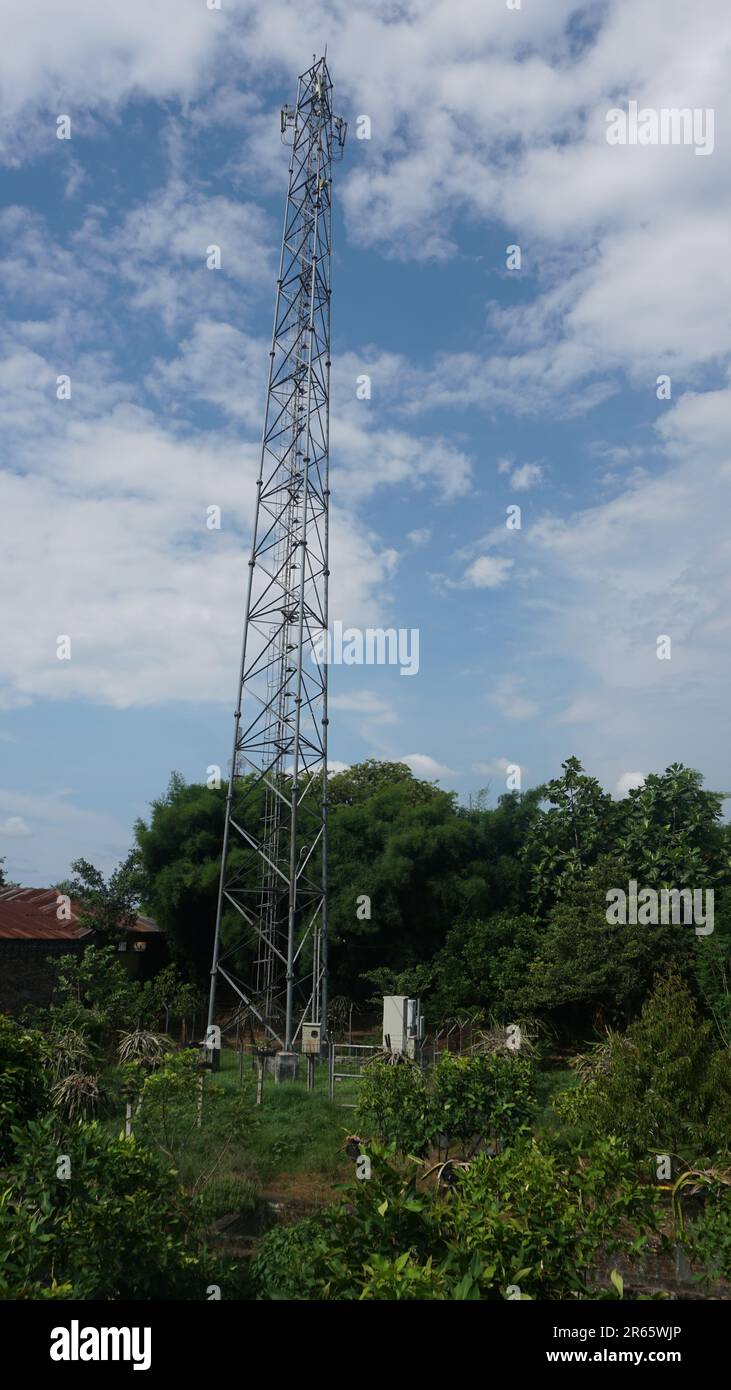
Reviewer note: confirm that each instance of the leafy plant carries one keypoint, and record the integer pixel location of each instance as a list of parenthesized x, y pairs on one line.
[(393, 1103), (660, 1087), (119, 1227), (465, 1099), (528, 1217), (485, 1096), (148, 1049), (76, 1095), (24, 1057)]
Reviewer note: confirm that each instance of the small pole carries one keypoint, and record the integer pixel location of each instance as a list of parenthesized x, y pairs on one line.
[(128, 1121), (310, 1073), (350, 1026), (199, 1120), (260, 1079)]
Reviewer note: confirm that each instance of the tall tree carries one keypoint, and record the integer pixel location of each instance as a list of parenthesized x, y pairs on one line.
[(565, 839), (670, 833), (109, 905)]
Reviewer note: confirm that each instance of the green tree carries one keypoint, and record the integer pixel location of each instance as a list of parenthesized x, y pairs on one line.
[(423, 862), (393, 1103), (482, 965), (670, 833), (180, 850), (712, 967), (473, 1099), (529, 1216), (95, 995), (661, 1086), (566, 839), (403, 843), (586, 969), (108, 905)]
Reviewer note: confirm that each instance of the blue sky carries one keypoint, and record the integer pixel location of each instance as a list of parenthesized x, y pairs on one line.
[(490, 388)]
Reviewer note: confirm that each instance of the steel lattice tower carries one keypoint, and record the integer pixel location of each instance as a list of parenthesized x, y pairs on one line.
[(274, 856)]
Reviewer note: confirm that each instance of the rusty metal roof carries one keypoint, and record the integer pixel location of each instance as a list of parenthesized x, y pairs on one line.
[(30, 914)]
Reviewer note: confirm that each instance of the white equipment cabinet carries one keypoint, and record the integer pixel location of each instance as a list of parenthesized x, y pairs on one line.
[(403, 1023)]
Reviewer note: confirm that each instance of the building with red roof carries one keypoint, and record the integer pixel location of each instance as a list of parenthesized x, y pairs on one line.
[(38, 923)]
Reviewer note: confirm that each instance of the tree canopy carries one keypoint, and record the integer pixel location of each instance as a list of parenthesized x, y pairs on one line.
[(501, 908)]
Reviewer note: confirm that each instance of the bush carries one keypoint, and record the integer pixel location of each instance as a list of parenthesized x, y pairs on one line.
[(289, 1261), (466, 1099), (24, 1078), (660, 1087), (476, 1098), (708, 1238), (529, 1217), (393, 1103), (119, 1227)]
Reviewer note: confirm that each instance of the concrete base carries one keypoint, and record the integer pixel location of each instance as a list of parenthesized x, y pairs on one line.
[(285, 1066)]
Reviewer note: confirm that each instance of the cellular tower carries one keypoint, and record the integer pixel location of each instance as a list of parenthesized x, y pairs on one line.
[(272, 898)]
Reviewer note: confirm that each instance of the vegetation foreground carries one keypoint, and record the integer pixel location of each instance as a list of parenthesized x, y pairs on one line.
[(554, 1169)]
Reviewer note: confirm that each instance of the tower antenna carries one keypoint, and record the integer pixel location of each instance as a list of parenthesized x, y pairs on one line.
[(270, 940)]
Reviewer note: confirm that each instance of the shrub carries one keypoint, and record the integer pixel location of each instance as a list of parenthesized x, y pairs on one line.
[(708, 1238), (476, 1098), (393, 1103), (529, 1217), (120, 1226), (467, 1099), (543, 1220), (660, 1087), (24, 1078)]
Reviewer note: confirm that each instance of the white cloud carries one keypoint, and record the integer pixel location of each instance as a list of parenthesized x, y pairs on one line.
[(103, 525), (628, 782), (61, 832), (160, 250), (219, 364), (426, 767), (507, 696), (526, 476), (15, 827), (419, 537), (365, 702), (98, 56), (496, 767), (368, 459), (487, 572), (654, 560)]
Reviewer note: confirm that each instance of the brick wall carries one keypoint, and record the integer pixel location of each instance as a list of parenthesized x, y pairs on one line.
[(26, 978)]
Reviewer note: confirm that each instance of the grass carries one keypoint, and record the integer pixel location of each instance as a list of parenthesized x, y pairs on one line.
[(293, 1131), (290, 1144)]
